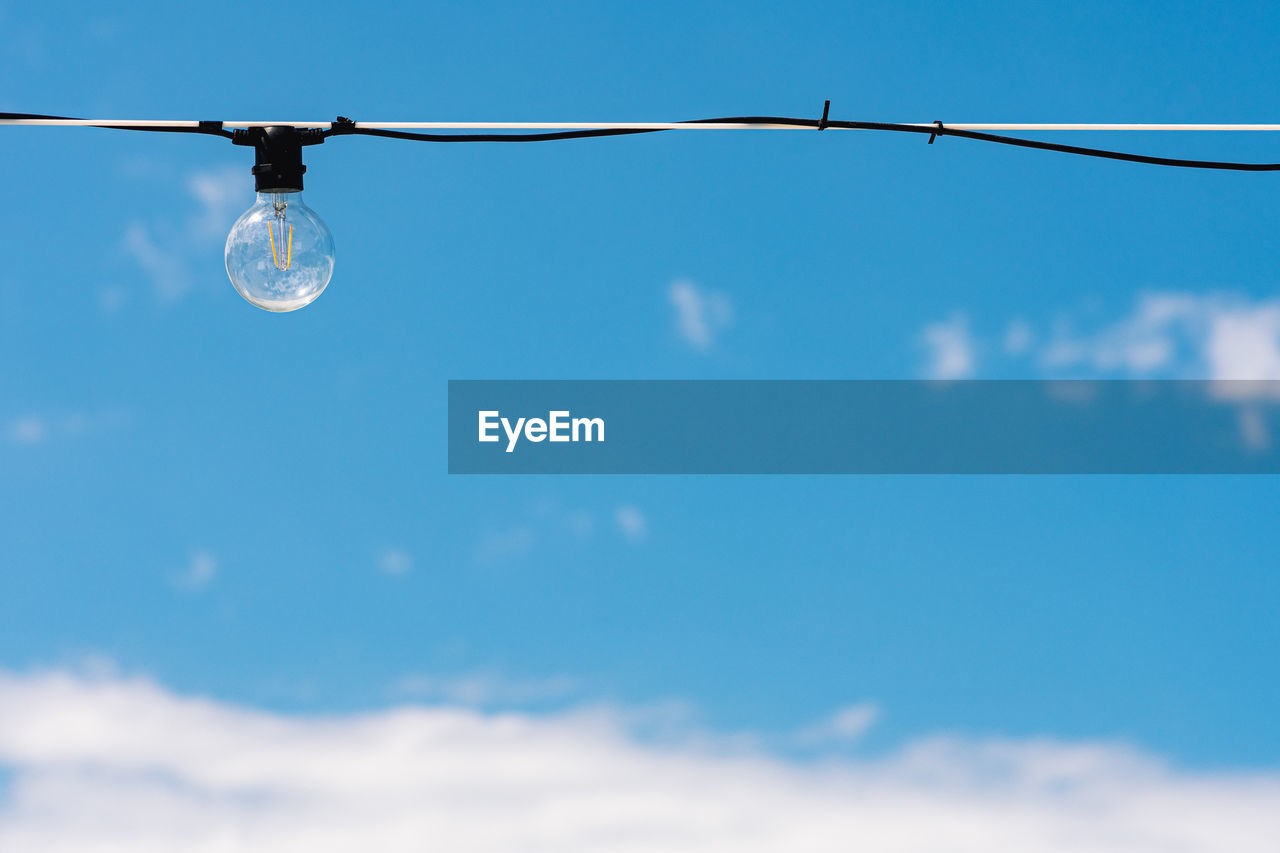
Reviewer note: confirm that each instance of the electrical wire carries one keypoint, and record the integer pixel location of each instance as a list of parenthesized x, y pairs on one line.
[(212, 128), (582, 130), (30, 119), (942, 130), (933, 130)]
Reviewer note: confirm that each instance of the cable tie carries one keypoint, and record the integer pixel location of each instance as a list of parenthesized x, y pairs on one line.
[(342, 125), (826, 110), (934, 135)]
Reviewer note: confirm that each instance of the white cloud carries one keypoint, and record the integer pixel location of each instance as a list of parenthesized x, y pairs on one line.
[(30, 429), (1018, 337), (950, 348), (547, 523), (112, 298), (1229, 339), (113, 764), (1253, 429), (845, 725), (509, 543), (701, 314), (223, 195), (165, 266), (1209, 336), (632, 522), (395, 561), (164, 249), (200, 570), (1216, 336), (1147, 340), (482, 688), (1243, 341)]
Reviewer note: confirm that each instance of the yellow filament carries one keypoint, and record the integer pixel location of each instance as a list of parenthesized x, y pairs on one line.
[(275, 255), (272, 236)]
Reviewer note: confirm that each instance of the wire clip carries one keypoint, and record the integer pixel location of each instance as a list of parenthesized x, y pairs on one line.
[(934, 135)]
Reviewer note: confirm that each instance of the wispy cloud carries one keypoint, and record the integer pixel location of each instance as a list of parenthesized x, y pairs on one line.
[(33, 429), (949, 348), (1165, 335), (1221, 337), (165, 266), (164, 249), (476, 689), (28, 429), (632, 522), (111, 298), (1161, 333), (395, 561), (700, 314), (548, 523), (1018, 337), (200, 570), (125, 764), (508, 543), (844, 726), (1253, 429), (223, 194)]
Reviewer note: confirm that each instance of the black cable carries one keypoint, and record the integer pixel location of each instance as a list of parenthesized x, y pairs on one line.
[(937, 129), (943, 130), (486, 137), (346, 127)]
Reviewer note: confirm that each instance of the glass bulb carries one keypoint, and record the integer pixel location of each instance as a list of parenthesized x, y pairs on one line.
[(279, 252)]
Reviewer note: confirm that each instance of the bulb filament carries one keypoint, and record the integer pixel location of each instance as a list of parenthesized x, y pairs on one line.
[(286, 241)]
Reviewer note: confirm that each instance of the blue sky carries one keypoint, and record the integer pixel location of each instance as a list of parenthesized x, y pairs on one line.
[(254, 508)]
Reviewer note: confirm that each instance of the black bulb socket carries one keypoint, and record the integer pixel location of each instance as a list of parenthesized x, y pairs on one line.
[(278, 155)]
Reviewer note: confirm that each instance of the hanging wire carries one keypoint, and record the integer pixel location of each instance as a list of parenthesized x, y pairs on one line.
[(213, 128), (552, 131)]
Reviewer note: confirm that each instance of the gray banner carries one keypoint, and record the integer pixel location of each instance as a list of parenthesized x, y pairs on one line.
[(863, 427)]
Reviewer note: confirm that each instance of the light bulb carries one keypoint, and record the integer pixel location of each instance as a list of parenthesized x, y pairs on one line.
[(279, 252)]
